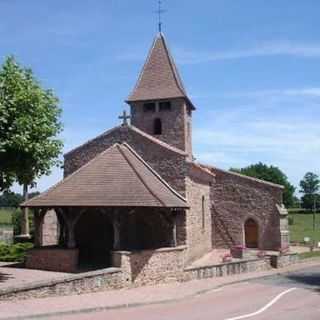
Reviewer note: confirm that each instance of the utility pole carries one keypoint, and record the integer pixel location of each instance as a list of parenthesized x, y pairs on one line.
[(314, 219)]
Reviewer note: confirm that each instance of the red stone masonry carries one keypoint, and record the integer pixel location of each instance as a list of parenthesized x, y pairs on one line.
[(237, 198), (166, 160)]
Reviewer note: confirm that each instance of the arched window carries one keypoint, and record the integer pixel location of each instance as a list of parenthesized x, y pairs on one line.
[(157, 126)]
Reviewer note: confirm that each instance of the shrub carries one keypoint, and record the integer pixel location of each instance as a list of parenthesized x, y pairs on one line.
[(15, 252)]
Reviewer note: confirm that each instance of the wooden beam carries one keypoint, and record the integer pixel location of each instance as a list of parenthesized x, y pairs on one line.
[(38, 226)]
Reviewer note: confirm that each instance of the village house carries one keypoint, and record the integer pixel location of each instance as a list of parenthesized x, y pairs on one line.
[(135, 197)]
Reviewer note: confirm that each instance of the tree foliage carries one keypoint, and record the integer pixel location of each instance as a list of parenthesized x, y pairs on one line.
[(29, 126), (11, 199), (310, 185), (271, 174)]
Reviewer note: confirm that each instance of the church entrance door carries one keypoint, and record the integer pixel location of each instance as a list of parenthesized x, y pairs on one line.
[(251, 233)]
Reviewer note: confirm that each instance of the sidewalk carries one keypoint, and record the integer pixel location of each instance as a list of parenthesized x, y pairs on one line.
[(115, 299)]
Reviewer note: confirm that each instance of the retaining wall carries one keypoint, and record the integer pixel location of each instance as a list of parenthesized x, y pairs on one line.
[(6, 234), (281, 261), (100, 280), (226, 269), (149, 267), (53, 259)]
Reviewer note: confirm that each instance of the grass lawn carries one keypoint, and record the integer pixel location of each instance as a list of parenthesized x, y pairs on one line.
[(5, 216), (303, 226), (307, 255)]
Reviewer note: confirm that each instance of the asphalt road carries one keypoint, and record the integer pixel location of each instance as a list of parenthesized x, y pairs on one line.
[(294, 296)]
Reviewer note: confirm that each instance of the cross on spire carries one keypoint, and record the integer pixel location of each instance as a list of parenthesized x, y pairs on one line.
[(159, 12), (124, 117)]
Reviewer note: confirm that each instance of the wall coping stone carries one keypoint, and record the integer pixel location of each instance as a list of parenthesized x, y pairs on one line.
[(165, 249), (222, 264), (248, 178), (52, 282)]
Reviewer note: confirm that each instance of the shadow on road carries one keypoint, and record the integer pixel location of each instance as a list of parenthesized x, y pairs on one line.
[(4, 277), (309, 280)]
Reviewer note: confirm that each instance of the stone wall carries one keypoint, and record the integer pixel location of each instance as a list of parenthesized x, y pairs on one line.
[(284, 260), (237, 198), (53, 259), (50, 228), (199, 224), (6, 234), (148, 267), (102, 280), (226, 269), (167, 162), (176, 123)]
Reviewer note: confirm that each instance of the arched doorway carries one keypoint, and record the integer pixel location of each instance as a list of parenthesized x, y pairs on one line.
[(251, 233), (94, 236)]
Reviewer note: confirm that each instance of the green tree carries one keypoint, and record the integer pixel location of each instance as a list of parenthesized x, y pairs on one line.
[(271, 174), (10, 199), (29, 126), (310, 185)]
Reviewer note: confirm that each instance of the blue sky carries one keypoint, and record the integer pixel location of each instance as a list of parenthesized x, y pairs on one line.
[(251, 67)]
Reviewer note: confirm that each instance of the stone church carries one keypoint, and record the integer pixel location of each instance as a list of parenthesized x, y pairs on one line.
[(136, 195)]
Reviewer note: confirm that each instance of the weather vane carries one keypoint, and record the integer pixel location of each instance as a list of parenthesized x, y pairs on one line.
[(160, 11)]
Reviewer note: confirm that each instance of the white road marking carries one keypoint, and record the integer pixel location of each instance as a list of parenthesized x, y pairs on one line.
[(267, 306)]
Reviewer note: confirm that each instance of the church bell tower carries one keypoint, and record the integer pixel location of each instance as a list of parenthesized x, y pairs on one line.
[(159, 103)]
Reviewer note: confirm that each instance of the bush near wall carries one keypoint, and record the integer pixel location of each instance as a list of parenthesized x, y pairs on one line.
[(15, 252)]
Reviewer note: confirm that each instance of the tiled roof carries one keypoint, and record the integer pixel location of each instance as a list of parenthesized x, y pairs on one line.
[(117, 177), (159, 78)]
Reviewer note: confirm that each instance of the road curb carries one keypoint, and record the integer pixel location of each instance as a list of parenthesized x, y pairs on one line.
[(160, 301)]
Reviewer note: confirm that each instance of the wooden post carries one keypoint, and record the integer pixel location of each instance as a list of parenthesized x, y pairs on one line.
[(71, 218), (116, 231), (38, 226), (62, 228), (25, 229), (174, 229)]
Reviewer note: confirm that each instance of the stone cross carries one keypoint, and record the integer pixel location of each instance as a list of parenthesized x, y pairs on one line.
[(124, 117)]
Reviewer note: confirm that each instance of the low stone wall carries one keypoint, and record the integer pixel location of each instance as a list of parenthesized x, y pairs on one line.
[(53, 259), (6, 234), (281, 261), (101, 280), (148, 267), (226, 269)]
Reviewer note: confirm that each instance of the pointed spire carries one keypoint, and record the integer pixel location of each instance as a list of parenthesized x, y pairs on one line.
[(159, 78)]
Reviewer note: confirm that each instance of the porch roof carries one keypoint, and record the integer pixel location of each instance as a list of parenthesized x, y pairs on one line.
[(117, 177)]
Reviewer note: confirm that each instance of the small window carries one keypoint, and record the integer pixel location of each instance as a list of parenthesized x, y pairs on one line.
[(157, 127), (165, 106), (203, 212), (149, 107)]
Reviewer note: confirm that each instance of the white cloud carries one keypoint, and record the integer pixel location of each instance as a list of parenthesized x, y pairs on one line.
[(284, 48), (312, 92)]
